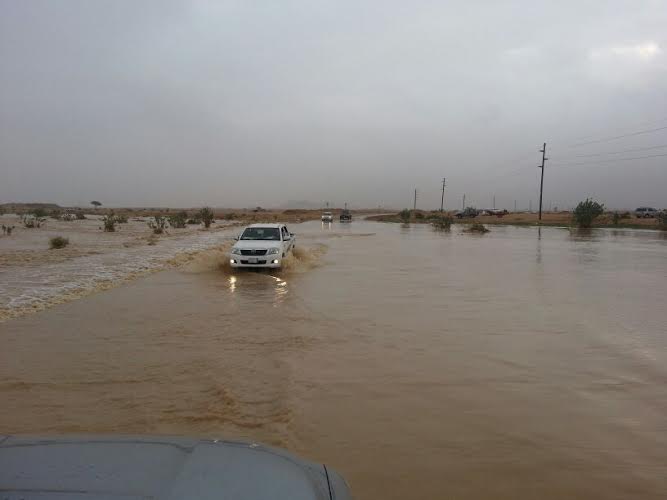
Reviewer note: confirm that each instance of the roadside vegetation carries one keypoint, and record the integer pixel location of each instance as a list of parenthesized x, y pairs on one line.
[(206, 216), (442, 223), (58, 242), (178, 220), (32, 221), (662, 220), (586, 213), (158, 224), (476, 227), (109, 223)]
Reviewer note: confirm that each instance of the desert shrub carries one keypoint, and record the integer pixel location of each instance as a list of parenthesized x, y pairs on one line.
[(477, 228), (194, 220), (58, 242), (109, 223), (615, 218), (231, 216), (40, 213), (586, 212), (662, 220), (80, 216), (121, 219), (7, 230), (419, 215), (404, 215), (444, 222), (178, 220), (206, 215), (30, 221), (158, 224)]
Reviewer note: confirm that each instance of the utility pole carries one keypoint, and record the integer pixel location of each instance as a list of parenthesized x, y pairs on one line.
[(414, 206), (463, 205), (442, 200), (515, 206), (544, 158), (494, 201), (530, 206)]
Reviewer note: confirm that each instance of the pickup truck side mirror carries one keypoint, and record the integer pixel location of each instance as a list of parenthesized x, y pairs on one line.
[(287, 237)]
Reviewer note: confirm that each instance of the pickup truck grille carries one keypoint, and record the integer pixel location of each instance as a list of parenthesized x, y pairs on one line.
[(253, 252), (259, 262)]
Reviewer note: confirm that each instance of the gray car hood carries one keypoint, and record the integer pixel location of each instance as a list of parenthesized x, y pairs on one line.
[(130, 468)]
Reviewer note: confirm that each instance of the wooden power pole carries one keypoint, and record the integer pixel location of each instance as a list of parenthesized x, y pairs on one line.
[(544, 158)]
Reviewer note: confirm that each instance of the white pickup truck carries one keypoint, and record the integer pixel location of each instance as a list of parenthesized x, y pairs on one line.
[(262, 245)]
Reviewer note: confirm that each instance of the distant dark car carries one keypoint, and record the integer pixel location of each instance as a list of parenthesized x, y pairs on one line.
[(645, 212), (175, 468), (346, 216), (467, 213)]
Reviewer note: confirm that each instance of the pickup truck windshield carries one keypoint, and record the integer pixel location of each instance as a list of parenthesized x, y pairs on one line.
[(261, 233)]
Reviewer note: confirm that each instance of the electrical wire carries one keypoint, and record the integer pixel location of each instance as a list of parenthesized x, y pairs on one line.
[(606, 161), (616, 137)]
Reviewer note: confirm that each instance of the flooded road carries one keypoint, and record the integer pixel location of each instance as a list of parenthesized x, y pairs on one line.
[(420, 364)]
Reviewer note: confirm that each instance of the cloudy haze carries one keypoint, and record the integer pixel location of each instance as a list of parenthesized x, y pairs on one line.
[(238, 103)]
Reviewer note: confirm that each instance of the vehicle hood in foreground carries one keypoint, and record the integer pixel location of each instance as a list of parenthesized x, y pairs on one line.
[(132, 468)]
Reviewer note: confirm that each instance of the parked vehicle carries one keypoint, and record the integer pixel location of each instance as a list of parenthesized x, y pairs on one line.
[(114, 467), (327, 217), (469, 212), (646, 212), (262, 245), (346, 216)]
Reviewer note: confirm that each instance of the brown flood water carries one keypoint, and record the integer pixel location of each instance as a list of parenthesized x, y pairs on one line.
[(420, 364)]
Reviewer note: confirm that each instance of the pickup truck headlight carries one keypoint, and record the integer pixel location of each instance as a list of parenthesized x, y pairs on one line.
[(273, 251), (236, 251)]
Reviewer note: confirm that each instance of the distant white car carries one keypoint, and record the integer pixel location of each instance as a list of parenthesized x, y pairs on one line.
[(262, 245), (645, 212), (327, 217)]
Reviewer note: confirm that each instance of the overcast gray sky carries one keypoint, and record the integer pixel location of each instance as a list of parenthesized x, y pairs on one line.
[(244, 103)]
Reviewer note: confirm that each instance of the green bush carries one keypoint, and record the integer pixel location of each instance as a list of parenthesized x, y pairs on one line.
[(478, 228), (121, 219), (206, 215), (178, 220), (30, 221), (40, 213), (404, 215), (58, 242), (158, 224), (419, 215), (586, 212), (615, 218), (444, 222), (80, 216), (109, 223), (662, 220)]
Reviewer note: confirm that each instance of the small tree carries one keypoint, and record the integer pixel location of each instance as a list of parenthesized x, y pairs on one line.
[(586, 212), (404, 215), (662, 220), (58, 242), (178, 220), (96, 204), (158, 224), (31, 221), (109, 223), (444, 223), (40, 213), (206, 216)]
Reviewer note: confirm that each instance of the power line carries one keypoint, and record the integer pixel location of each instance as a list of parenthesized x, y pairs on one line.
[(613, 138), (621, 152), (607, 161), (641, 124)]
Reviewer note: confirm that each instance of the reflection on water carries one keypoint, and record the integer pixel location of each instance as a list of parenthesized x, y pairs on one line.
[(528, 363)]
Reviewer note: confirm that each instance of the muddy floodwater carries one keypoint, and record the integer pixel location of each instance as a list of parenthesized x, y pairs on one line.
[(519, 364)]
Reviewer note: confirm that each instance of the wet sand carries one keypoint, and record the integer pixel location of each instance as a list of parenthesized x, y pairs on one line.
[(420, 364)]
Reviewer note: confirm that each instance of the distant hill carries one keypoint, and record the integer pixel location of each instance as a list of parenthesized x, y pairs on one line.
[(22, 207)]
